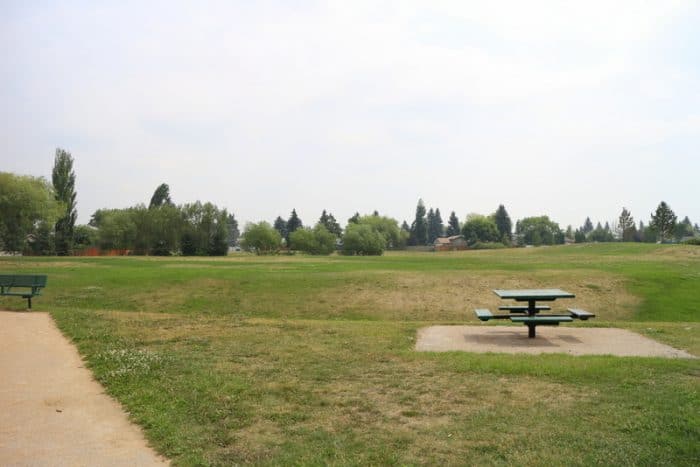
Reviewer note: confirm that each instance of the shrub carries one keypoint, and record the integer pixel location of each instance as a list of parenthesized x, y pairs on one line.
[(692, 241)]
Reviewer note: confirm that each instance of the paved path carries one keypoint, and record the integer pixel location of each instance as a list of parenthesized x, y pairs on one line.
[(52, 412), (550, 339)]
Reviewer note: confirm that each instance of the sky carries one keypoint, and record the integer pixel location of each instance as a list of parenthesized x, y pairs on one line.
[(565, 109)]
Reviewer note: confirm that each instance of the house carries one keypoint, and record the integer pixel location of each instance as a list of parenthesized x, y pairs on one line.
[(455, 242)]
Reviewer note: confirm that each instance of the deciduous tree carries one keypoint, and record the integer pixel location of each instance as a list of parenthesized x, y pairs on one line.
[(25, 203)]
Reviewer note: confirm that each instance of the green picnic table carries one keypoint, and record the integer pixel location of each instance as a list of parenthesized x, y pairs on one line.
[(529, 314)]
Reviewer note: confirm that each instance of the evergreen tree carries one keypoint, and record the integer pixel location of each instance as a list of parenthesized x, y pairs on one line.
[(430, 218), (504, 224), (419, 227), (280, 226), (329, 222), (405, 227), (663, 221), (587, 226), (453, 227), (375, 213), (161, 197), (63, 178), (625, 226), (438, 225), (355, 219), (293, 223)]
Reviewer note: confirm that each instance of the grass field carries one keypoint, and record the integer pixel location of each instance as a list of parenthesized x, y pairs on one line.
[(304, 360)]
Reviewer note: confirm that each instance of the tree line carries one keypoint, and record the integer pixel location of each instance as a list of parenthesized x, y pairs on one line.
[(38, 217)]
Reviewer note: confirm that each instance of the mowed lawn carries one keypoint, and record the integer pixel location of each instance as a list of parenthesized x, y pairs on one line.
[(305, 360)]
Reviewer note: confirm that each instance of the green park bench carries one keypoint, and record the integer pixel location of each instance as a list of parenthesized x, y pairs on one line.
[(29, 285)]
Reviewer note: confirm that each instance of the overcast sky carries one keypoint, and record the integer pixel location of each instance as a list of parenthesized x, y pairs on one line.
[(569, 109)]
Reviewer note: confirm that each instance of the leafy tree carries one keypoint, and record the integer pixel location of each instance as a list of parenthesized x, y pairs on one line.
[(419, 227), (63, 178), (579, 236), (42, 241), (453, 227), (354, 219), (161, 197), (84, 236), (281, 226), (387, 228), (331, 224), (117, 229), (233, 232), (316, 241), (479, 229), (205, 228), (261, 238), (539, 231), (362, 239), (663, 221), (375, 213), (293, 223), (625, 226), (503, 224), (25, 203)]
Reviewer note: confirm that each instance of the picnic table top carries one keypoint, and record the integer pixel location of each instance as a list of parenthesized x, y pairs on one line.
[(533, 294)]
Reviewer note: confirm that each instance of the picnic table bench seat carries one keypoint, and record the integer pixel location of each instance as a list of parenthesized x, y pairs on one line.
[(542, 319), (523, 308), (580, 314), (483, 314), (29, 285)]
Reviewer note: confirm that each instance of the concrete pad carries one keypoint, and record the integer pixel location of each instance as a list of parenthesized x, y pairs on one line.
[(52, 411), (550, 339)]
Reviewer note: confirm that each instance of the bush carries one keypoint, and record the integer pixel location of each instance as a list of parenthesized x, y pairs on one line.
[(318, 241), (361, 239), (261, 239), (692, 241)]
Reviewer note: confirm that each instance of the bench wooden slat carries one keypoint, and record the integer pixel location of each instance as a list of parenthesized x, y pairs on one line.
[(580, 314)]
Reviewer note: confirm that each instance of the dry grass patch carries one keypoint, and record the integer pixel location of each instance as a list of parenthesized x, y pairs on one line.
[(451, 296)]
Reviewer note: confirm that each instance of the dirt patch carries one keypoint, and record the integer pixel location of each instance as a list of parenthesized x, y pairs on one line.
[(52, 412), (568, 340)]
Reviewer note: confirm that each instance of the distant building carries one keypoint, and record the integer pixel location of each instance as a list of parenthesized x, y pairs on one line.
[(455, 242)]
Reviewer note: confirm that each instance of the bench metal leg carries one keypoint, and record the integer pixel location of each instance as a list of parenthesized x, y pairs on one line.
[(29, 302), (531, 330)]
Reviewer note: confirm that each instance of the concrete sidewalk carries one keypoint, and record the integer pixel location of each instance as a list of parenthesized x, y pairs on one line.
[(52, 411)]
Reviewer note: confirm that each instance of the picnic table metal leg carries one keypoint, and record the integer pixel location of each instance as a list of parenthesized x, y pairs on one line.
[(531, 330), (29, 302)]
